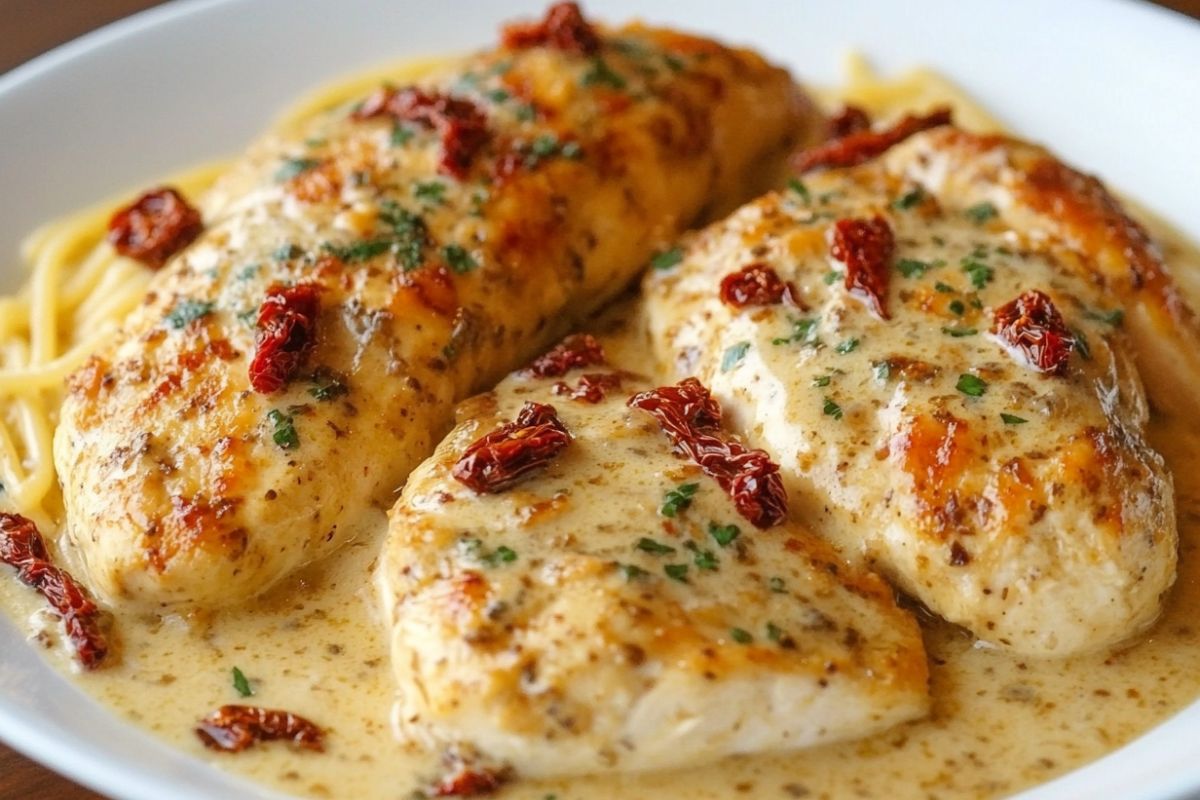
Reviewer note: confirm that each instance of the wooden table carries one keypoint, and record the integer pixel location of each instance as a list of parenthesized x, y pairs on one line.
[(44, 24)]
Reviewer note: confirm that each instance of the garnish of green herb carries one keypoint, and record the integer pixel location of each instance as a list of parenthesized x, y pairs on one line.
[(401, 134), (459, 259), (734, 355), (705, 559), (882, 370), (525, 112), (571, 150), (409, 234), (958, 333), (188, 311), (678, 499), (1082, 346), (294, 166), (915, 268), (944, 288), (723, 535), (357, 251), (797, 186), (249, 271), (971, 385), (979, 272), (431, 192), (776, 585), (848, 346), (740, 635), (1012, 419), (822, 380), (497, 95), (240, 684), (601, 74), (832, 277), (677, 572), (774, 632), (285, 252), (632, 572), (956, 307), (648, 545), (804, 331), (327, 387), (832, 409), (284, 434), (501, 555), (1114, 317), (667, 259), (909, 199), (981, 212)]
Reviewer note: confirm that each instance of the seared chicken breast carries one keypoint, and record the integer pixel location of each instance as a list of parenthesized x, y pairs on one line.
[(612, 608), (360, 275), (934, 347)]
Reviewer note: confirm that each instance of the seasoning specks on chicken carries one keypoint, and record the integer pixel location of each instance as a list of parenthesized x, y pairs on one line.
[(614, 611), (360, 275), (951, 394)]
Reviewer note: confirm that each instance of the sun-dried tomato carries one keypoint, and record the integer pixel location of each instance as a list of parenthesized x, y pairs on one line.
[(591, 388), (1034, 328), (154, 227), (865, 246), (498, 460), (691, 419), (21, 546), (754, 285), (563, 28), (461, 124), (864, 145), (233, 728), (851, 119), (284, 335), (577, 350), (468, 783)]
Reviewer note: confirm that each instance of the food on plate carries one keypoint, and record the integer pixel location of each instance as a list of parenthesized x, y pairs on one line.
[(573, 586), (358, 276), (932, 343)]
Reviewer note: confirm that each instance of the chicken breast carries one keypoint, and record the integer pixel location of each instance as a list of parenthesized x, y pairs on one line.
[(934, 347), (615, 609), (360, 275)]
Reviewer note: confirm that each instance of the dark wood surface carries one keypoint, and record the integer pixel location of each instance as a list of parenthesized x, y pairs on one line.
[(32, 27)]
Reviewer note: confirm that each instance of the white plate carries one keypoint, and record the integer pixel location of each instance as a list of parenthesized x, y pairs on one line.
[(1113, 85)]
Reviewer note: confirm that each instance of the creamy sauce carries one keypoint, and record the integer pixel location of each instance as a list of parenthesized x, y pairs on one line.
[(316, 647)]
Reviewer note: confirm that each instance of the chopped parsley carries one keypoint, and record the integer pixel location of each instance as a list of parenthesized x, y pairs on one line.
[(958, 333), (797, 186), (848, 346), (526, 112), (832, 277), (284, 434), (286, 252), (971, 385), (804, 331), (431, 192), (705, 559), (723, 535), (1114, 317), (822, 380), (601, 74), (740, 635), (401, 134), (186, 312), (909, 199), (915, 268), (648, 545), (944, 288), (677, 572), (240, 684), (667, 259), (459, 259), (734, 355), (957, 308), (1081, 344), (979, 273), (832, 409), (632, 572), (882, 370), (775, 633), (501, 555), (1012, 419), (981, 212), (249, 271), (678, 499), (409, 234), (776, 585), (294, 166), (327, 387), (355, 252), (497, 95)]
